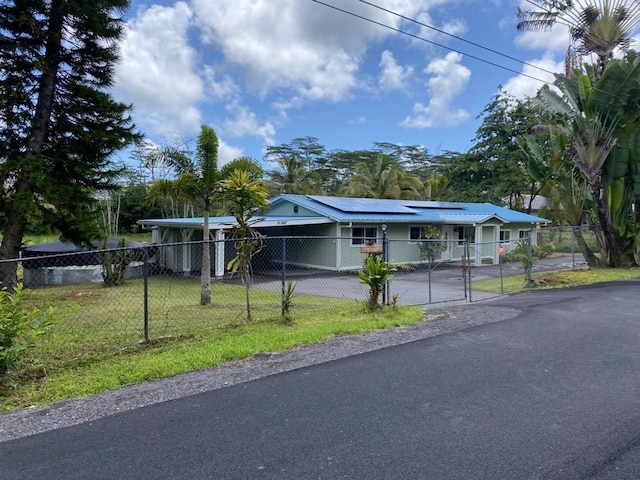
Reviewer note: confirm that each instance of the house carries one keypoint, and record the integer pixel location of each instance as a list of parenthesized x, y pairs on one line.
[(532, 204), (329, 232)]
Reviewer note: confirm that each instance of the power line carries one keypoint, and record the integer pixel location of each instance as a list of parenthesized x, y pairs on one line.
[(431, 27), (417, 37)]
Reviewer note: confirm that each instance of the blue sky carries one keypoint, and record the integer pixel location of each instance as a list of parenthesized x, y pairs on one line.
[(262, 72)]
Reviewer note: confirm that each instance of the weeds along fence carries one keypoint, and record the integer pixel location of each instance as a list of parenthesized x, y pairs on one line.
[(112, 299)]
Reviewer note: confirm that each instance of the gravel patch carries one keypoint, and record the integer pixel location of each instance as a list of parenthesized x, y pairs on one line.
[(438, 321)]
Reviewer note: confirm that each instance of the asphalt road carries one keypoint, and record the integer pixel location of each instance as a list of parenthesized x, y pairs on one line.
[(552, 392)]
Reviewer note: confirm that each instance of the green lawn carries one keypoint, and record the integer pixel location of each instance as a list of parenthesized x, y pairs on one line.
[(96, 345), (557, 279)]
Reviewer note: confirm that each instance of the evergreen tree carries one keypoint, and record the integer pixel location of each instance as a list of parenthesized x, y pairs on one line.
[(58, 124)]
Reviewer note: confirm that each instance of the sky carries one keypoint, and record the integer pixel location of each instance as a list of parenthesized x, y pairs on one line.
[(263, 72)]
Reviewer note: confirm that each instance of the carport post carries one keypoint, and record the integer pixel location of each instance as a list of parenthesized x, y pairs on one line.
[(385, 258)]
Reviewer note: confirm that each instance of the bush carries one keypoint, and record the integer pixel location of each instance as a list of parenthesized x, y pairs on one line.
[(115, 263), (20, 329)]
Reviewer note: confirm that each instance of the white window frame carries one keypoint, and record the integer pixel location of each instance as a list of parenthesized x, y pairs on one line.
[(507, 240), (359, 241), (523, 234), (461, 234)]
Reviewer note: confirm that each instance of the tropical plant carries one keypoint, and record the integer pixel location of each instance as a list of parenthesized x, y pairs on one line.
[(384, 178), (244, 196), (595, 26), (248, 164), (196, 181), (561, 183), (20, 329), (376, 274), (287, 302), (590, 112), (59, 124), (293, 176)]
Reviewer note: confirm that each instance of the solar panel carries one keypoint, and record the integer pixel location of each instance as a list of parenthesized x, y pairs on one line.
[(435, 205), (363, 205)]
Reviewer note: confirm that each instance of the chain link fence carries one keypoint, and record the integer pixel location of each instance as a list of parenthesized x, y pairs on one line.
[(155, 290)]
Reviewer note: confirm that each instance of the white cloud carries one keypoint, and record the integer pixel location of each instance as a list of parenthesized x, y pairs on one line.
[(226, 153), (526, 86), (246, 122), (158, 70), (301, 50), (448, 80), (220, 89), (392, 76), (357, 121)]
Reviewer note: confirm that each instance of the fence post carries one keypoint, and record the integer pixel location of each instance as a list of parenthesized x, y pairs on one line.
[(145, 283), (385, 258), (573, 250), (469, 272), (284, 274)]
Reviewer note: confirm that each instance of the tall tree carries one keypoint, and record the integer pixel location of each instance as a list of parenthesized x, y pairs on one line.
[(292, 176), (201, 171), (306, 149), (58, 123), (595, 26)]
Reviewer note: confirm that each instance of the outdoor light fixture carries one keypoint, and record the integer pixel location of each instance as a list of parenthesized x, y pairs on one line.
[(383, 227)]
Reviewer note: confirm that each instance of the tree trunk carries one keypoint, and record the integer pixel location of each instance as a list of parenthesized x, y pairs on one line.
[(616, 257), (9, 250), (14, 229), (205, 274), (587, 253)]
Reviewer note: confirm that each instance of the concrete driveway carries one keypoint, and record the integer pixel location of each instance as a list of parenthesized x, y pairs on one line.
[(445, 285)]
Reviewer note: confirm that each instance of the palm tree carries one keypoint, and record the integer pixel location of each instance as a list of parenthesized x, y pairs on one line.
[(293, 176), (436, 187), (383, 179), (595, 26), (200, 173)]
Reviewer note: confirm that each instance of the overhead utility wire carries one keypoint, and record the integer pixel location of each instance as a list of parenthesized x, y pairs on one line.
[(431, 27), (431, 42)]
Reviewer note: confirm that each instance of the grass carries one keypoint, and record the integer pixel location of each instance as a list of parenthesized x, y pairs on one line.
[(96, 344), (557, 279)]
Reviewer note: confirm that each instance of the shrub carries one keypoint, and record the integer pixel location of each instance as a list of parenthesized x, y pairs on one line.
[(114, 264), (20, 329)]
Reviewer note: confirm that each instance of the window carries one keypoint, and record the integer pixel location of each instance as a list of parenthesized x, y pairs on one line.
[(466, 233), (523, 235), (423, 232), (363, 235), (505, 236)]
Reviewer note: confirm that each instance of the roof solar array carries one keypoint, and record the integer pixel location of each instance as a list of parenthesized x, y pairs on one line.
[(434, 205), (363, 205)]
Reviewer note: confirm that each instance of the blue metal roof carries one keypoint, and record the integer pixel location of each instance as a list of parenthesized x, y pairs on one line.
[(346, 209), (365, 210)]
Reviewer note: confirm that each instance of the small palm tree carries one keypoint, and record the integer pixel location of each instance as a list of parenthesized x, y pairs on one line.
[(244, 196), (376, 274)]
